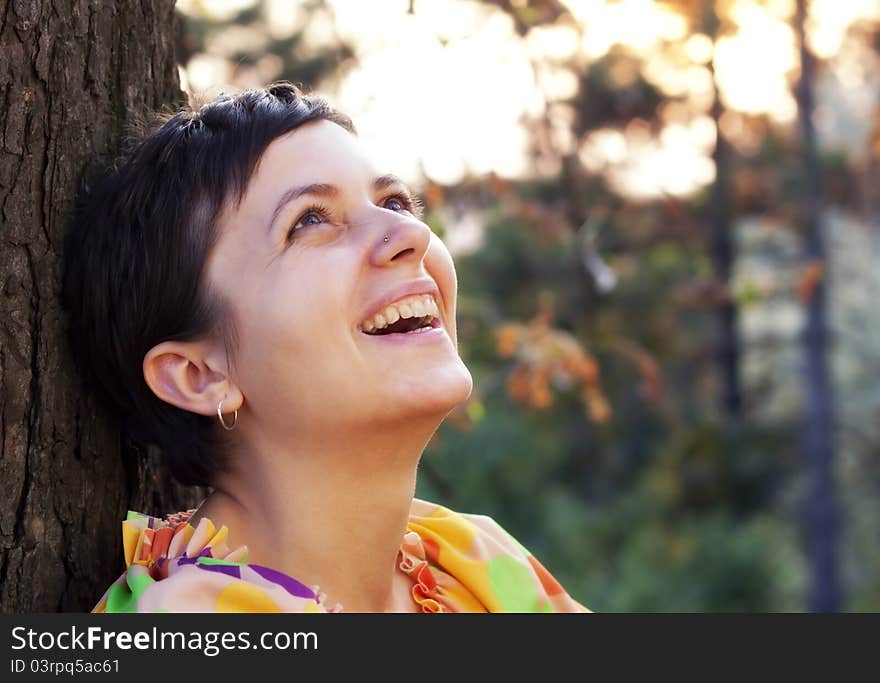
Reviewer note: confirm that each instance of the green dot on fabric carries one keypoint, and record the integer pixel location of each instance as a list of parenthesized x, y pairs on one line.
[(123, 596), (214, 560), (513, 585)]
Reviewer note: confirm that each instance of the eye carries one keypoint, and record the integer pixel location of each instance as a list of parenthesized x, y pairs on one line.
[(317, 212), (400, 201), (405, 202)]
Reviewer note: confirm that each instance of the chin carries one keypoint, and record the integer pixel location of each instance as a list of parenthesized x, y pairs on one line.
[(437, 392)]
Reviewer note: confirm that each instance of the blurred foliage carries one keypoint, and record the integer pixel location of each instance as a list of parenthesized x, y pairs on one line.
[(595, 432), (650, 503), (254, 55)]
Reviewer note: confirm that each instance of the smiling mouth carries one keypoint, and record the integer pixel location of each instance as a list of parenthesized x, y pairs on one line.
[(417, 325), (414, 314)]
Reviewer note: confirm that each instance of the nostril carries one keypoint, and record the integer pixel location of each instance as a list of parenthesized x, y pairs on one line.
[(403, 253)]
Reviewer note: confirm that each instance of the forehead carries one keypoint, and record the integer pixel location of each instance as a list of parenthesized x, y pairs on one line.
[(316, 151)]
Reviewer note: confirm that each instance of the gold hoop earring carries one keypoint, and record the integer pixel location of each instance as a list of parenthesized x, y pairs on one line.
[(220, 415)]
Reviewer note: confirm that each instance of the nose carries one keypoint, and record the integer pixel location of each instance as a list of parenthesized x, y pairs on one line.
[(402, 239)]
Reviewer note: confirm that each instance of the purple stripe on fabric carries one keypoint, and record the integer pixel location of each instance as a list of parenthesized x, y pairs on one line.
[(228, 569), (291, 585), (206, 552)]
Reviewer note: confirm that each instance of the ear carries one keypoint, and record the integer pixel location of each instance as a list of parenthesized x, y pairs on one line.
[(191, 376)]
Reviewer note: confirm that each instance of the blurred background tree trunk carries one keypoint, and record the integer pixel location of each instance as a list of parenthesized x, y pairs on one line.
[(723, 250), (818, 434), (72, 74)]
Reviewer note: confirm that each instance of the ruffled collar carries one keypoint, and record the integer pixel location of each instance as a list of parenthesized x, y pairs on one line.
[(163, 545)]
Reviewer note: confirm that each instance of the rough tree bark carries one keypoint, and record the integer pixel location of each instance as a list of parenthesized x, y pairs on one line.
[(72, 73)]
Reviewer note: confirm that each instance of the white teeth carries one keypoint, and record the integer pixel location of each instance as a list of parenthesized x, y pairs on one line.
[(415, 307), (431, 308)]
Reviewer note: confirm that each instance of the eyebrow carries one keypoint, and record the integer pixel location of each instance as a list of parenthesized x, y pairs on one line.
[(330, 192)]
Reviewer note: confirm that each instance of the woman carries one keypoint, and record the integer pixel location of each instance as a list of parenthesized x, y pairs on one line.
[(252, 295)]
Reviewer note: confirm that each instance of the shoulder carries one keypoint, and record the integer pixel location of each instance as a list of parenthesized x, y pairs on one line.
[(475, 534), (172, 566), (486, 558)]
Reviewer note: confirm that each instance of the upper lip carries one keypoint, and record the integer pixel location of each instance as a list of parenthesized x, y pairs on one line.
[(420, 286)]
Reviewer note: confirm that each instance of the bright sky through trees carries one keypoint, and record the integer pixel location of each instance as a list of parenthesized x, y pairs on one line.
[(445, 91)]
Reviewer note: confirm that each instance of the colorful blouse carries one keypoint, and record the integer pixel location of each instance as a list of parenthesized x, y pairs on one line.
[(457, 563)]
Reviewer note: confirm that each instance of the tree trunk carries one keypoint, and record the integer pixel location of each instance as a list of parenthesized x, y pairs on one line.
[(722, 248), (72, 74), (819, 429)]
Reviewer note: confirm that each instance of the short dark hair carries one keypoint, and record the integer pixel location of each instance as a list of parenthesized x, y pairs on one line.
[(136, 248)]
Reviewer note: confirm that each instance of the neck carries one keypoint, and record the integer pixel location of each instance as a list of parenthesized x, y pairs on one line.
[(321, 509)]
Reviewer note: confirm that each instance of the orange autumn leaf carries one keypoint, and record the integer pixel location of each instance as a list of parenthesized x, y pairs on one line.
[(811, 277), (651, 385), (547, 358), (875, 134), (498, 184), (541, 396), (598, 407), (507, 336), (539, 387), (433, 195), (518, 384), (583, 367)]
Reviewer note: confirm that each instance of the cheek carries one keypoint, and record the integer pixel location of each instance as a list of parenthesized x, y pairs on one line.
[(273, 319), (300, 310), (440, 266), (291, 342)]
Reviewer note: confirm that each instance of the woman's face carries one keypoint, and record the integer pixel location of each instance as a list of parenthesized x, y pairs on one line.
[(301, 279)]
